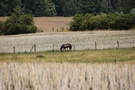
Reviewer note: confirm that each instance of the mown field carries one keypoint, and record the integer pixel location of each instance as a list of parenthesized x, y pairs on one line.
[(85, 56), (79, 40)]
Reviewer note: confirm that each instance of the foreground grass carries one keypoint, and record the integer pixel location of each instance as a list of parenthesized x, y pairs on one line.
[(86, 56)]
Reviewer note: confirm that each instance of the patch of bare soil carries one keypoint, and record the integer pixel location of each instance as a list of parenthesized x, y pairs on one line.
[(3, 18), (52, 23)]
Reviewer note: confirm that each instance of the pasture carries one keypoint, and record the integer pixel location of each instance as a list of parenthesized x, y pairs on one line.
[(102, 60), (85, 56)]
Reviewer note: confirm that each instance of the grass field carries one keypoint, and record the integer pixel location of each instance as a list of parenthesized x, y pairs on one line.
[(86, 56)]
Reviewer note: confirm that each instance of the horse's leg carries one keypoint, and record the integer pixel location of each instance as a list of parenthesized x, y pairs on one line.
[(69, 49), (64, 49)]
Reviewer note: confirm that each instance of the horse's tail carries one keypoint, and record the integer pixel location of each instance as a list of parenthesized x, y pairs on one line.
[(61, 48)]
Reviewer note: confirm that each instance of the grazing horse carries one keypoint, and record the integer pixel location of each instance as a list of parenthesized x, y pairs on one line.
[(64, 46)]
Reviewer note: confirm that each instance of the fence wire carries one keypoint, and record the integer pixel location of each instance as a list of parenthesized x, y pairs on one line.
[(39, 47)]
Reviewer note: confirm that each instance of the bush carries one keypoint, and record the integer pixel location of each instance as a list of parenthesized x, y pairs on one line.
[(76, 24), (103, 21), (19, 23), (1, 27)]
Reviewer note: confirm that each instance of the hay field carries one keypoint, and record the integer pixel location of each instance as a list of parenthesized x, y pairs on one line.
[(49, 24), (81, 40)]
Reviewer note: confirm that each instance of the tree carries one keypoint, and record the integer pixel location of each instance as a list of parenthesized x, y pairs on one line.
[(39, 7), (76, 24), (3, 7), (19, 23), (66, 7)]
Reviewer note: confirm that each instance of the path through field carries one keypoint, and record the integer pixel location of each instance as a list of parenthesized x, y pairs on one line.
[(80, 40)]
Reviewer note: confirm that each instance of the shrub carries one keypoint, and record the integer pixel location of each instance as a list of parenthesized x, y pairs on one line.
[(1, 27), (103, 21), (76, 24), (19, 23)]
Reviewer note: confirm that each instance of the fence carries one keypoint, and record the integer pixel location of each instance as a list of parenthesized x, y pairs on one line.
[(75, 46)]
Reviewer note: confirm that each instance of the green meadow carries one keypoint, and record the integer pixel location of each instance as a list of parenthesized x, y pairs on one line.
[(86, 56)]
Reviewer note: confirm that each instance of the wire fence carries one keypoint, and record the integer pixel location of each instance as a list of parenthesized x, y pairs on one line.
[(39, 47)]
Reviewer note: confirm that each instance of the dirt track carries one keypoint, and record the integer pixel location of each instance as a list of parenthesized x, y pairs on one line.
[(81, 40)]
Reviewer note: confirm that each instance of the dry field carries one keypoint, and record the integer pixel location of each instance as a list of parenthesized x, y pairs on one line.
[(49, 24), (81, 40), (66, 76)]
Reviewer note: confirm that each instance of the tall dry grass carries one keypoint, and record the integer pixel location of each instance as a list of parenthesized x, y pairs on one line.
[(66, 76)]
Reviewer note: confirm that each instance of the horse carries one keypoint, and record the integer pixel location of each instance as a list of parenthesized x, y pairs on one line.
[(64, 46)]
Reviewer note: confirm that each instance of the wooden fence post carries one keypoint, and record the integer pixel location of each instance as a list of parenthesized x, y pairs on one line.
[(74, 47), (53, 29), (133, 43), (53, 48), (13, 49), (95, 45), (118, 44), (35, 47)]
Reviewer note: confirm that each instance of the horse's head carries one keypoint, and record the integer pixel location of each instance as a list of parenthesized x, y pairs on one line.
[(70, 46)]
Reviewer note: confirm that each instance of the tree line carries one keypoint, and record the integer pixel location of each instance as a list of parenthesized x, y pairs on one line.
[(66, 7)]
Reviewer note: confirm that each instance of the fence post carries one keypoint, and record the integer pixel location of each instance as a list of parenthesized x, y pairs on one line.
[(74, 47), (133, 43), (35, 47), (53, 48), (95, 45), (13, 49), (53, 29), (118, 44)]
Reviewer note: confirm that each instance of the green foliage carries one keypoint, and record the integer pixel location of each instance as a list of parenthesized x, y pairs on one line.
[(3, 7), (39, 7), (103, 21), (77, 23), (132, 11), (1, 27), (18, 23), (66, 7)]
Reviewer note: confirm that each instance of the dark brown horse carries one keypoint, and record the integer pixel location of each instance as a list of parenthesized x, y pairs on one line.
[(64, 46)]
